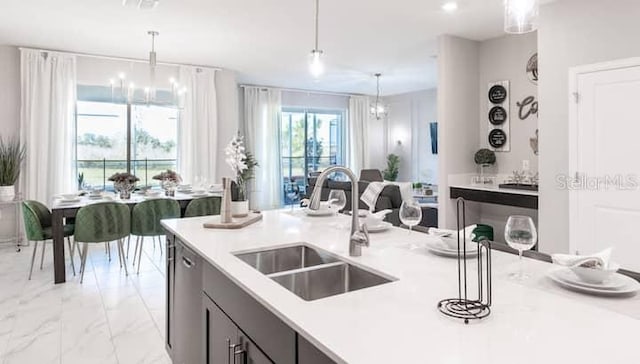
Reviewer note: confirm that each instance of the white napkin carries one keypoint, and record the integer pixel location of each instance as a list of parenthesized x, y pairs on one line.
[(381, 214), (601, 259), (450, 235), (468, 232)]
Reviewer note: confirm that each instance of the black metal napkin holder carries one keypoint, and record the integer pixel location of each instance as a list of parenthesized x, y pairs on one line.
[(464, 307)]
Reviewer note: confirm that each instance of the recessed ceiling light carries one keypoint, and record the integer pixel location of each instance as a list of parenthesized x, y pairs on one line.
[(450, 6)]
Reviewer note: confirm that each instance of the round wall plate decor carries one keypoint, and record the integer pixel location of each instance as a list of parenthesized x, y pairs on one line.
[(497, 115), (497, 138), (497, 94)]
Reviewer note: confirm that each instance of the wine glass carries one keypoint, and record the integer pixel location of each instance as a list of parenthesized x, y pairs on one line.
[(292, 195), (337, 199), (520, 233), (410, 213)]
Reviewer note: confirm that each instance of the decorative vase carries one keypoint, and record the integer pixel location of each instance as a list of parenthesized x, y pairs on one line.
[(169, 187), (124, 189), (239, 208), (7, 193)]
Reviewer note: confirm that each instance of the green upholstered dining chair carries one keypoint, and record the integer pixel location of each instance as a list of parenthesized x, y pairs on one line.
[(37, 226), (203, 206), (145, 221), (100, 223)]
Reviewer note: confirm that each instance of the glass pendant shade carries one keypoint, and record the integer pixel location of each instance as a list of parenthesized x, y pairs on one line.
[(316, 66), (521, 16), (378, 110)]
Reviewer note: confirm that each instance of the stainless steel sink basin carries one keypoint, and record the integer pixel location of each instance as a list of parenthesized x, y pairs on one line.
[(311, 273), (329, 280), (285, 259)]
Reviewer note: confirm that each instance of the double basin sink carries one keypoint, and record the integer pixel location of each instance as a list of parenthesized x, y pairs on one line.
[(311, 273)]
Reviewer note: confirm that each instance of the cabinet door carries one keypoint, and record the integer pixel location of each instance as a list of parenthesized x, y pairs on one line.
[(220, 334), (248, 352), (170, 298)]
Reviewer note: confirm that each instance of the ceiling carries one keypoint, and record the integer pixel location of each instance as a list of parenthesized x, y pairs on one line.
[(266, 41)]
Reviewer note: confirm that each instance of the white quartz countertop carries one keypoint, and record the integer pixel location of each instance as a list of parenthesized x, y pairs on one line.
[(398, 322)]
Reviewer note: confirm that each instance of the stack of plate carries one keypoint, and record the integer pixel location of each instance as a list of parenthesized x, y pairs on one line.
[(436, 246), (322, 211), (616, 285), (379, 227), (67, 201)]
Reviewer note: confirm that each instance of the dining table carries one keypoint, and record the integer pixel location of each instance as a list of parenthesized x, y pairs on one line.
[(61, 210)]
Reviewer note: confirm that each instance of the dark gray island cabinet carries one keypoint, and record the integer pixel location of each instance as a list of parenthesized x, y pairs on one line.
[(212, 320)]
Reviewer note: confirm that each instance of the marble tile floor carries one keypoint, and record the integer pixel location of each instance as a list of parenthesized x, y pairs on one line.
[(109, 318)]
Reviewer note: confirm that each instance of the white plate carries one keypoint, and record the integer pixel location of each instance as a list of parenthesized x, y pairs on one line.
[(631, 286), (437, 249), (615, 282), (383, 226), (321, 212)]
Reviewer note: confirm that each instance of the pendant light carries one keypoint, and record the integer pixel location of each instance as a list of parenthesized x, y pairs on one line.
[(521, 16), (316, 66), (378, 109), (150, 92)]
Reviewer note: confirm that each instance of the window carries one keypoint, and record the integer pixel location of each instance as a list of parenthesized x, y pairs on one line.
[(311, 141), (116, 137)]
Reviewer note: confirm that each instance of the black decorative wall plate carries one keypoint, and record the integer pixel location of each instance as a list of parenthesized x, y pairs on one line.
[(497, 138), (497, 115), (497, 94)]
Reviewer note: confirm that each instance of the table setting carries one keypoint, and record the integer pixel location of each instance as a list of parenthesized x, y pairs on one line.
[(444, 242)]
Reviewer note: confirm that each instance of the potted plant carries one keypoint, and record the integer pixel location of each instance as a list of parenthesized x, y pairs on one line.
[(80, 181), (124, 183), (484, 158), (393, 165), (243, 165), (169, 181), (12, 154)]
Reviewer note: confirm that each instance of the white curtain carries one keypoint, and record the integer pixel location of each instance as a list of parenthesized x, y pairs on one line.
[(198, 126), (358, 134), (47, 119), (261, 125)]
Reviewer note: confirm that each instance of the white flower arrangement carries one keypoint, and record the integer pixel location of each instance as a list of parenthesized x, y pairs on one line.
[(242, 163), (236, 155)]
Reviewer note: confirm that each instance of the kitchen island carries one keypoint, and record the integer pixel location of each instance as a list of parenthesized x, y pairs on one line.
[(221, 309)]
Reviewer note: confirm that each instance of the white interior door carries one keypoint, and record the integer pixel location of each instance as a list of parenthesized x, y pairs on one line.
[(605, 205)]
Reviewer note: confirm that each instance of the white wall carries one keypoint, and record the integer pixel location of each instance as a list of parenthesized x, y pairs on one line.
[(9, 118), (572, 32), (408, 123), (505, 58), (458, 62)]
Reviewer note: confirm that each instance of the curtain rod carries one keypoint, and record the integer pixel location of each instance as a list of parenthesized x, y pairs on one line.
[(304, 90), (124, 59)]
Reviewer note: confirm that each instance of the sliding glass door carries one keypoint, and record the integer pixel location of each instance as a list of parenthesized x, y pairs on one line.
[(311, 141)]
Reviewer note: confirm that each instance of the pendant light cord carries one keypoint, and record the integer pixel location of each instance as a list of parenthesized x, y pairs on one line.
[(317, 22), (377, 91)]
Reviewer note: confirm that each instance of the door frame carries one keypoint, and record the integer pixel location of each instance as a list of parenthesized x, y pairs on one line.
[(574, 101)]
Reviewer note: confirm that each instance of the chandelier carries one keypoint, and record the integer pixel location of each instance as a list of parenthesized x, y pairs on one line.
[(126, 91), (378, 109), (521, 16)]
